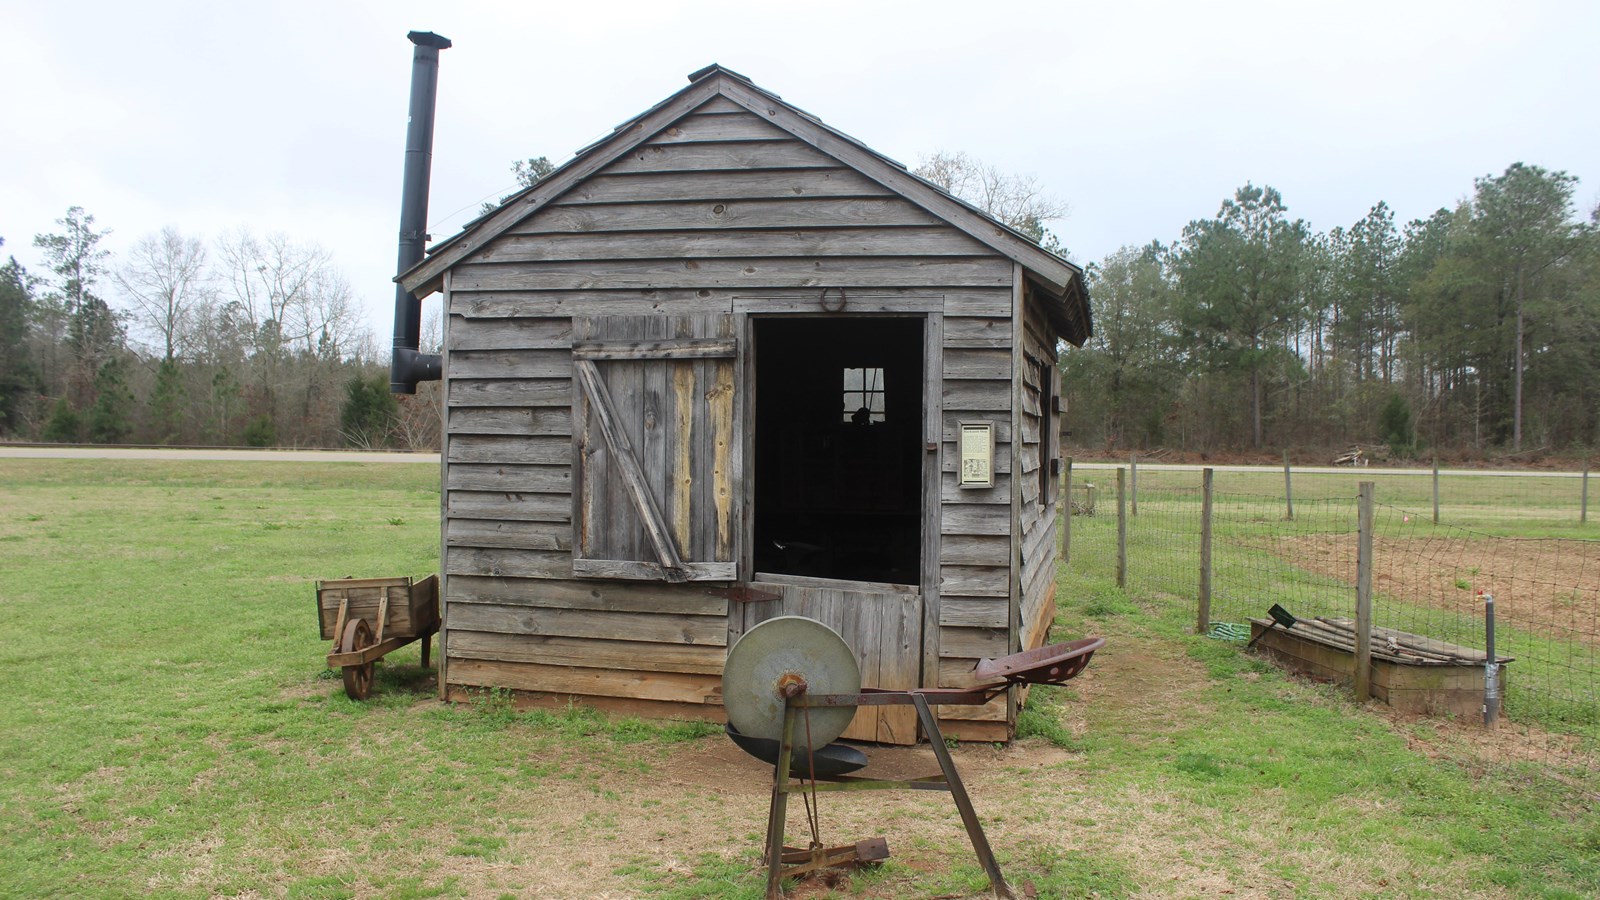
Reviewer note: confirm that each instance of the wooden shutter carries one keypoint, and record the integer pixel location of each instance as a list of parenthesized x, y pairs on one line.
[(657, 460)]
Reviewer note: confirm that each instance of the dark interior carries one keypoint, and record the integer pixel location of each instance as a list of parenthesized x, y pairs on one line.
[(838, 472)]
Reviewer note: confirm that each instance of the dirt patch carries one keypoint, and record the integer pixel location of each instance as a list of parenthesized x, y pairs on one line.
[(1546, 587)]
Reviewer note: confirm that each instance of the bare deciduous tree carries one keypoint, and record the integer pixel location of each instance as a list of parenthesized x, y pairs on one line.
[(1017, 200), (165, 280)]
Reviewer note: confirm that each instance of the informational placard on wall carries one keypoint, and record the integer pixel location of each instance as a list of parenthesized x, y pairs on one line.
[(977, 454)]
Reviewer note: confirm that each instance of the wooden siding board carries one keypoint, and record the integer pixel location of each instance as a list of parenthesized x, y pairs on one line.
[(540, 449), (510, 334), (963, 363), (508, 563), (588, 653), (606, 596), (700, 128), (527, 421), (619, 706), (512, 505), (724, 185), (974, 581), (973, 643), (729, 243), (975, 550), (509, 392), (973, 612), (977, 396), (975, 332), (662, 686), (693, 301), (781, 153), (511, 534), (754, 273), (972, 518), (992, 303), (689, 215), (533, 479), (584, 623)]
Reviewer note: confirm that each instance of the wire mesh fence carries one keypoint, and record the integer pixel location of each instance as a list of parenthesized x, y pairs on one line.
[(1261, 539)]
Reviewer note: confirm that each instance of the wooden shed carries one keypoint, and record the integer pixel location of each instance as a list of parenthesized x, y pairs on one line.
[(726, 364)]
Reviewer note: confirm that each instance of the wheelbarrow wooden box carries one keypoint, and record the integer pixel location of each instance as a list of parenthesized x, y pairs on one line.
[(413, 606), (368, 618)]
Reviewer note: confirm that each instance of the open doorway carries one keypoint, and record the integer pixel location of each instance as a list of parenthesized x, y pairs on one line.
[(838, 425)]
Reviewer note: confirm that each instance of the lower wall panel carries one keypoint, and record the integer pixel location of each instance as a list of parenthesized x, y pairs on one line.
[(646, 709), (670, 687), (599, 654), (976, 732)]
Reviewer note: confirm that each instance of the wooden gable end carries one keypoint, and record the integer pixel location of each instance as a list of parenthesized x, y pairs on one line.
[(720, 203)]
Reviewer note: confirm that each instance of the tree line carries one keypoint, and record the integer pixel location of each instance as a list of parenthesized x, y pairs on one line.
[(1476, 329), (242, 340)]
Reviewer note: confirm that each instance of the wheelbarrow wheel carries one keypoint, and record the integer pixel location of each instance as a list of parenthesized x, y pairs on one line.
[(357, 679)]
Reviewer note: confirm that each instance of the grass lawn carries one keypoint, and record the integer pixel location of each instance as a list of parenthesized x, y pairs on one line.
[(171, 731)]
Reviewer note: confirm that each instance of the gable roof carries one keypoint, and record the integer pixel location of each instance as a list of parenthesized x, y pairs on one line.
[(1060, 281)]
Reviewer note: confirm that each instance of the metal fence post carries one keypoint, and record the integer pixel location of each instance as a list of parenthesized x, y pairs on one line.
[(1363, 673), (1133, 484), (1066, 522), (1491, 666), (1122, 528), (1202, 622), (1288, 488)]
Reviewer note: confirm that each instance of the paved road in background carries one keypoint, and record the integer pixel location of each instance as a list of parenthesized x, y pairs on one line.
[(1327, 470), (219, 454), (14, 451)]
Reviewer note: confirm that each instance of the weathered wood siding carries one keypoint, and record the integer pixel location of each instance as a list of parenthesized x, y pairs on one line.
[(719, 213), (976, 553), (1041, 427)]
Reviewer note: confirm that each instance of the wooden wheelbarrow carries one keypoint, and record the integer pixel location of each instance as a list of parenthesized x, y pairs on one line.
[(369, 618)]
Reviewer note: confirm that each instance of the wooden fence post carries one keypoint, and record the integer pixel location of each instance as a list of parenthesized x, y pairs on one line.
[(1066, 521), (1363, 673), (1436, 489), (1583, 506), (1133, 484), (1288, 488), (1122, 528), (1202, 622)]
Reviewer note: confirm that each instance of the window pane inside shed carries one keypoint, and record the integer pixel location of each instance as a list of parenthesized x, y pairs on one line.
[(863, 396)]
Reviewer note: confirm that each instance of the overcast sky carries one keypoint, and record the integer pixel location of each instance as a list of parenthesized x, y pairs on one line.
[(290, 117)]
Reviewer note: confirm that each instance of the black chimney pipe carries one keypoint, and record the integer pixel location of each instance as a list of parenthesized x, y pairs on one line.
[(410, 366)]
